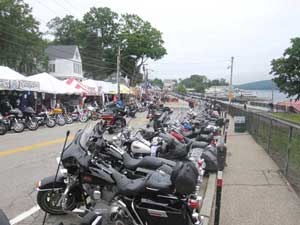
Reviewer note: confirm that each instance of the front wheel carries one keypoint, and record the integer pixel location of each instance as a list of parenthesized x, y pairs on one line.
[(18, 127), (3, 129), (48, 201), (83, 118), (32, 125), (50, 123), (68, 119), (60, 120)]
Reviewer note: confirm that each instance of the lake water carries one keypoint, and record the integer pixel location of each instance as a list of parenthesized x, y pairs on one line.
[(278, 96)]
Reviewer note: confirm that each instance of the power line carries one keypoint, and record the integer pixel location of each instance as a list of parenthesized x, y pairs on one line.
[(92, 65)]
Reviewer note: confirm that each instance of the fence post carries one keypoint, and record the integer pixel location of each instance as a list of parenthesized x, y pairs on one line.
[(288, 150), (270, 136), (218, 197)]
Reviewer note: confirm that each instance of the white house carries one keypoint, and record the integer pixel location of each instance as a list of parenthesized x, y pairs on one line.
[(64, 61)]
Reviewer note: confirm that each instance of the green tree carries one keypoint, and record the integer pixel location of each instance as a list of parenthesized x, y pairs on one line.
[(196, 82), (180, 89), (67, 30), (21, 43), (286, 70), (141, 42), (157, 82)]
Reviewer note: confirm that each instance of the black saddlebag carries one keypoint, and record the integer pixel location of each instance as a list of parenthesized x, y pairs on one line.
[(185, 177), (211, 161)]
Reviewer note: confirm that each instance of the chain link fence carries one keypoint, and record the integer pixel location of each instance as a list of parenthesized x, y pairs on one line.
[(280, 140)]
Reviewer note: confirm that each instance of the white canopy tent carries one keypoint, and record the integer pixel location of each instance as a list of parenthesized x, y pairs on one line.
[(51, 85), (102, 86), (12, 80)]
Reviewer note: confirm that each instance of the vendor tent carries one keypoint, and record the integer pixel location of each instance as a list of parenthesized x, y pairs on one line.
[(12, 80), (51, 85)]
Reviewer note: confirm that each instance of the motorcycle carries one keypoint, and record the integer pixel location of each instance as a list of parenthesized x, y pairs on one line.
[(113, 120), (29, 119), (13, 121), (44, 118), (3, 126), (57, 115), (155, 199)]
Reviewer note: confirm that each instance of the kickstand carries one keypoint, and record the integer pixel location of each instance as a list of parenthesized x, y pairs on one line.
[(44, 220)]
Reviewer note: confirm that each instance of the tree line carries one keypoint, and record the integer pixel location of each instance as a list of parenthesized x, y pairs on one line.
[(98, 35), (197, 83)]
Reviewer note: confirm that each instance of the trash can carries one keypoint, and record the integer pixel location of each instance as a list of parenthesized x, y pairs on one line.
[(239, 124)]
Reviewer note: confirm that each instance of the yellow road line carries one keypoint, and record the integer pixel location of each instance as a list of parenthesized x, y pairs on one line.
[(33, 147)]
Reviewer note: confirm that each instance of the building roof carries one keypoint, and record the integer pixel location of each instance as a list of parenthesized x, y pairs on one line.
[(60, 51)]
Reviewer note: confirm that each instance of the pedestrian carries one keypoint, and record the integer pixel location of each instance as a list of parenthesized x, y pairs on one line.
[(245, 106)]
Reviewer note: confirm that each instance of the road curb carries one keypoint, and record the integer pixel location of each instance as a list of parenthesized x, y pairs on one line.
[(207, 205)]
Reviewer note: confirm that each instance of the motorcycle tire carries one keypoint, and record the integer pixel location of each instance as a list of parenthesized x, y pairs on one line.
[(18, 127), (3, 129), (68, 119), (32, 125), (50, 123), (61, 121), (83, 118), (48, 205)]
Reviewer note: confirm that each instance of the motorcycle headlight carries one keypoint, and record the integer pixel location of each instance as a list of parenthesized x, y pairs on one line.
[(63, 171)]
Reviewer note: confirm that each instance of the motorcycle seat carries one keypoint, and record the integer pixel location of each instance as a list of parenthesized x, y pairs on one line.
[(127, 186), (158, 181), (199, 144), (107, 114), (146, 162)]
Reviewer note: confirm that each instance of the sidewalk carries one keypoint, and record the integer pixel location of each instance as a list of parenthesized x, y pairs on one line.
[(254, 192)]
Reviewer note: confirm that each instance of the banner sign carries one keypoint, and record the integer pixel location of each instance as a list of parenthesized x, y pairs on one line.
[(20, 85), (4, 84), (29, 85)]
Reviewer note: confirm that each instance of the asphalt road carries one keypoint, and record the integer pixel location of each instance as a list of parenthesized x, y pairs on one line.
[(27, 157)]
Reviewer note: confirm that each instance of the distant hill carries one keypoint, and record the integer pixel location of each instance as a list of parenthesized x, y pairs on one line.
[(257, 85)]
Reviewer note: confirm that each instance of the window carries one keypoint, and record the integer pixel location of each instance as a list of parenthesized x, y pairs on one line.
[(52, 68), (77, 68)]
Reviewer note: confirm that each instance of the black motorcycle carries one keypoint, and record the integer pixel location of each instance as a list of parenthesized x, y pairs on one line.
[(13, 121), (155, 199)]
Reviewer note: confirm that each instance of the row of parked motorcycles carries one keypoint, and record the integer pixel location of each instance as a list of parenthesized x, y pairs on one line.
[(17, 120), (147, 176)]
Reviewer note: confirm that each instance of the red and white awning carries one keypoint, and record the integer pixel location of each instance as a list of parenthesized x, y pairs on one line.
[(84, 89)]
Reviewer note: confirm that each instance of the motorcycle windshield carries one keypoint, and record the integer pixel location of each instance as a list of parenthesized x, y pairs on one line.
[(86, 135)]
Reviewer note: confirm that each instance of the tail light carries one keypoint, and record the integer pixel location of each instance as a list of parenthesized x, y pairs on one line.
[(195, 202), (200, 162)]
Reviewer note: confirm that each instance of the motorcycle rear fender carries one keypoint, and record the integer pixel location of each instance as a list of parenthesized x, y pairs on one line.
[(48, 183)]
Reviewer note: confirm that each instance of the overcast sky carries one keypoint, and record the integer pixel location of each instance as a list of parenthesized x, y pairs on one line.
[(201, 35)]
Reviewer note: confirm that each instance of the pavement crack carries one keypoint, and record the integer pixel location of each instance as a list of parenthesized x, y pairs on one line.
[(266, 177)]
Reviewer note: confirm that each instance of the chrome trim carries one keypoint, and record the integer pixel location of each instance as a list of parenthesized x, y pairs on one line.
[(97, 220), (49, 189), (137, 215)]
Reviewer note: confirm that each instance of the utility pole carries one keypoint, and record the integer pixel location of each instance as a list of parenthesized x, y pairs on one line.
[(230, 87), (118, 70)]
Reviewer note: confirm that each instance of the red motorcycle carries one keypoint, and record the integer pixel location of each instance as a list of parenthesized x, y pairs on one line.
[(113, 122)]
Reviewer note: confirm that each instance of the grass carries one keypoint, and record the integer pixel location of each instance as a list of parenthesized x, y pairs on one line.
[(292, 117)]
